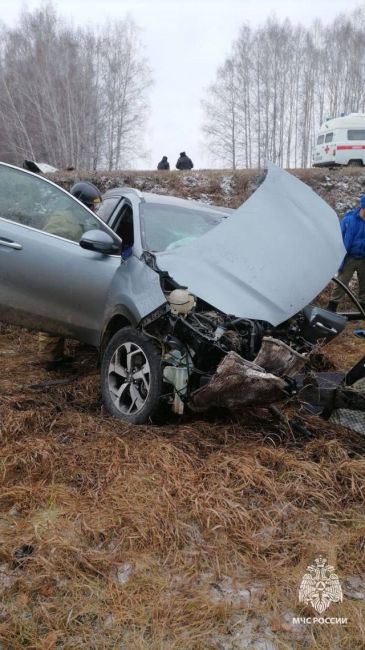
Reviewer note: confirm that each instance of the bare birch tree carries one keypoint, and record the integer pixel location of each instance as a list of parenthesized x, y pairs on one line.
[(72, 96), (221, 107), (287, 81)]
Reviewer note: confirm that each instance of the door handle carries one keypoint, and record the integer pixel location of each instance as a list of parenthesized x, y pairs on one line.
[(10, 244)]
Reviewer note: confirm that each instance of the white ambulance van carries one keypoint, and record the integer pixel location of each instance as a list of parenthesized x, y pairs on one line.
[(341, 141)]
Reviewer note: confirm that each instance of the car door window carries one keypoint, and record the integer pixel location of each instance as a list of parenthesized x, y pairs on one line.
[(106, 208), (32, 201)]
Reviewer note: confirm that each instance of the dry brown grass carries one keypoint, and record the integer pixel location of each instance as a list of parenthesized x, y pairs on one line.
[(207, 183), (183, 184), (176, 510)]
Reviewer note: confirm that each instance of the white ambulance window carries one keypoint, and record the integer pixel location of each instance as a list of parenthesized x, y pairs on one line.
[(320, 139), (356, 134), (329, 137)]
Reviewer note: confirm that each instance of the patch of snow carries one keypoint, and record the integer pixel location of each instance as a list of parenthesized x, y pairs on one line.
[(204, 198), (354, 587), (157, 189), (109, 621), (341, 207), (6, 576), (328, 185), (226, 185), (139, 181), (242, 635), (234, 592), (300, 632), (353, 284), (124, 572), (266, 534), (191, 181), (109, 183)]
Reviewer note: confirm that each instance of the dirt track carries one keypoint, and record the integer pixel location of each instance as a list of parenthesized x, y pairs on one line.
[(176, 537)]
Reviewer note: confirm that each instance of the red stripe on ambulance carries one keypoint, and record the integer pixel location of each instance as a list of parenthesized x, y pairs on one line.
[(354, 146)]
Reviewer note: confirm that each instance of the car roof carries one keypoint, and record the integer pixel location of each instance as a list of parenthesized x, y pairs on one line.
[(163, 199), (354, 120)]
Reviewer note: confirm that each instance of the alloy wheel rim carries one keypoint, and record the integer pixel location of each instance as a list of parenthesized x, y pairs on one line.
[(129, 378)]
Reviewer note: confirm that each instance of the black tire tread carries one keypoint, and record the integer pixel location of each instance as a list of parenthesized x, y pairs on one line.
[(154, 357)]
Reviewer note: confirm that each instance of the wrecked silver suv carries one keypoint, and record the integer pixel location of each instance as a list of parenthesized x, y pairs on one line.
[(189, 304)]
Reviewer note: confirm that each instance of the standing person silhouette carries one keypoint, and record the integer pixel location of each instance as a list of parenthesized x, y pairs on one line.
[(164, 163), (184, 162)]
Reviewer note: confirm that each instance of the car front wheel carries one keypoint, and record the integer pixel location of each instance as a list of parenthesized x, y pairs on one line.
[(131, 376)]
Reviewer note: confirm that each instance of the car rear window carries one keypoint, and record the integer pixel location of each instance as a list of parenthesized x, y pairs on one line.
[(320, 139), (356, 134)]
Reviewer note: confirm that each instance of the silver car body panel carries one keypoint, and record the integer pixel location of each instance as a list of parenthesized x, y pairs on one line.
[(70, 291), (50, 283), (269, 259)]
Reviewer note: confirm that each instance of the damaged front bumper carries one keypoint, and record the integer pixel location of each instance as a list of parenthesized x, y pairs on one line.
[(275, 373), (239, 383)]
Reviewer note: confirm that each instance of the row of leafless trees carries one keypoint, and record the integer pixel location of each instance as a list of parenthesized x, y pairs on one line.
[(279, 84), (71, 96)]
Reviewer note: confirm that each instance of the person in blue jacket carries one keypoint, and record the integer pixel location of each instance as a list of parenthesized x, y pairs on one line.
[(353, 235)]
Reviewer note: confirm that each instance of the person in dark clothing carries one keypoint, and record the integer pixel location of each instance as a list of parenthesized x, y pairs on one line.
[(87, 193), (184, 162), (164, 163)]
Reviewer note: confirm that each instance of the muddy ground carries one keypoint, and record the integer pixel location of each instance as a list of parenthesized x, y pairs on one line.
[(185, 536)]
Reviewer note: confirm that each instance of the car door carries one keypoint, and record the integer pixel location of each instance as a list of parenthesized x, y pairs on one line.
[(47, 281)]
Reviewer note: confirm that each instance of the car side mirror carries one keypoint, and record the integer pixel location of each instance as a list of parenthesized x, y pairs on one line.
[(100, 242)]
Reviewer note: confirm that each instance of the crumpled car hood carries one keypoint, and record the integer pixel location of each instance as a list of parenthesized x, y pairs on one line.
[(269, 259)]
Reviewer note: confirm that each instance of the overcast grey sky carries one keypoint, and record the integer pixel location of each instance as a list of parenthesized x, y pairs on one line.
[(185, 41)]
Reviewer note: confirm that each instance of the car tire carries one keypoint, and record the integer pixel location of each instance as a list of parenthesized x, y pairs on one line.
[(354, 163), (131, 376)]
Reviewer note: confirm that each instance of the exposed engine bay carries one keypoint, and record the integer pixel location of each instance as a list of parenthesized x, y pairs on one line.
[(212, 359)]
